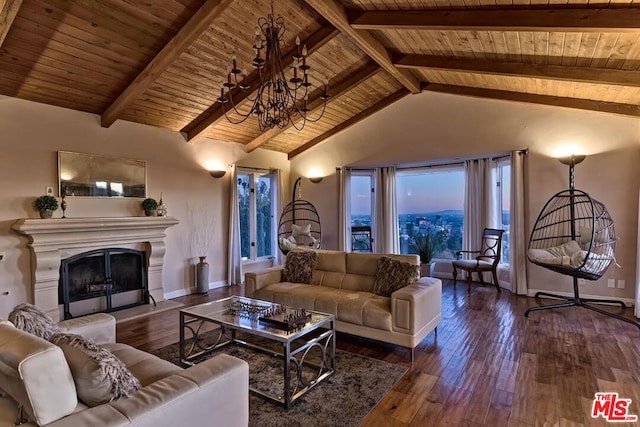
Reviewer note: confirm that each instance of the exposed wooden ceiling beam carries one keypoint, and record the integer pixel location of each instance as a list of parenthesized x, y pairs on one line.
[(346, 83), (563, 20), (552, 72), (350, 122), (576, 103), (199, 22), (336, 14), (215, 113), (8, 11)]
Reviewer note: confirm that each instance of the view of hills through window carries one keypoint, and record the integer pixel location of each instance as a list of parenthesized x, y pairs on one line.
[(431, 210), (430, 204)]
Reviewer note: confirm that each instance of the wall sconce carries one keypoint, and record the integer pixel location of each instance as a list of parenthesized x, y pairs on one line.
[(217, 174), (316, 179)]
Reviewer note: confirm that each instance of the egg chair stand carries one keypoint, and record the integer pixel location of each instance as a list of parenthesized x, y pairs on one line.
[(574, 235)]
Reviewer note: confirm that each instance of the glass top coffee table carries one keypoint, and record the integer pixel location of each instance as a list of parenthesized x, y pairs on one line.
[(299, 333)]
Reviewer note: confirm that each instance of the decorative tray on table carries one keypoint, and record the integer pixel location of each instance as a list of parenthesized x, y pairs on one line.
[(285, 318)]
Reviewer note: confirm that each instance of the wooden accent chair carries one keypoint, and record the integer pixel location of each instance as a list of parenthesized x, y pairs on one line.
[(361, 238), (487, 259)]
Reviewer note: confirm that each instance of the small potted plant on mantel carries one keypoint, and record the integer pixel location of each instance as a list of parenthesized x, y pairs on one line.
[(423, 246), (150, 206), (46, 205)]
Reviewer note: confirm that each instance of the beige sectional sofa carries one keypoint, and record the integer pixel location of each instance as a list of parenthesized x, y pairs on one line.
[(343, 284), (34, 373)]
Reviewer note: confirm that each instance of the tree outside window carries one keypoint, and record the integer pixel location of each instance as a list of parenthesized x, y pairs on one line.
[(256, 208)]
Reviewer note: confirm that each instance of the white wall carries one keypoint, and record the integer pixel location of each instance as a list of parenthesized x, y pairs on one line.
[(432, 126), (32, 133)]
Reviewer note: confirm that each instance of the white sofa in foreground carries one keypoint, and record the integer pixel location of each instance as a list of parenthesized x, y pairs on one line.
[(343, 285), (34, 373)]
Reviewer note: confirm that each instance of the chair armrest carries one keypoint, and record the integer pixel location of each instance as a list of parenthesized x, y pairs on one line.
[(99, 327), (414, 306), (458, 253), (258, 279)]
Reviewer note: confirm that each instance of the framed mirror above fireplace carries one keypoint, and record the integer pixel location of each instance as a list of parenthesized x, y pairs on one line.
[(92, 175)]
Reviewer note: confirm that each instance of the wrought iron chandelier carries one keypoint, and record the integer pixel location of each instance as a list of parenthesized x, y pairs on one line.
[(282, 96)]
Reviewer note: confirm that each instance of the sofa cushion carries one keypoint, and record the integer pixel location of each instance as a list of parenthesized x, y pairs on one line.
[(100, 377), (360, 308), (34, 373), (31, 319), (393, 275), (299, 266)]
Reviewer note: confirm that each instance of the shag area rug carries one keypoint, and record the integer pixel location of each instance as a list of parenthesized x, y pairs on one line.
[(343, 399)]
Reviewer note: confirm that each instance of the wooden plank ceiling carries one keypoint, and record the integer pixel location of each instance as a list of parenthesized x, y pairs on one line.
[(161, 62)]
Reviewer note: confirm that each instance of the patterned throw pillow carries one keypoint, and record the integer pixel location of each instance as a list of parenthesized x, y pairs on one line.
[(31, 319), (100, 377), (393, 275), (299, 266)]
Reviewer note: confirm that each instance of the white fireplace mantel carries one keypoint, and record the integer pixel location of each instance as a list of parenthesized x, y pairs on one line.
[(52, 240)]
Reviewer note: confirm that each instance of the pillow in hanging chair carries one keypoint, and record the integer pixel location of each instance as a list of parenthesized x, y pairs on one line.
[(564, 255), (287, 244), (300, 230), (600, 236)]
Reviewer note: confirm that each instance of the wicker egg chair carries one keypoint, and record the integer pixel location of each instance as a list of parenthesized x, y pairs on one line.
[(299, 225), (574, 235)]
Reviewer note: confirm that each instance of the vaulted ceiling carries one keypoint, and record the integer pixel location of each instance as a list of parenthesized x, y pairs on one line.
[(161, 62)]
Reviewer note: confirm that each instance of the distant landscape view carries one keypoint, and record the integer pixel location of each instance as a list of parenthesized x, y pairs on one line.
[(430, 203), (445, 228)]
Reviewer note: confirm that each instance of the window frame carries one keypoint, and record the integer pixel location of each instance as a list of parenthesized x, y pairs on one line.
[(498, 166), (443, 168), (372, 178), (254, 177)]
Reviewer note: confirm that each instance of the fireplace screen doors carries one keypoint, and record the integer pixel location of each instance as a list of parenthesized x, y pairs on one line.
[(103, 280)]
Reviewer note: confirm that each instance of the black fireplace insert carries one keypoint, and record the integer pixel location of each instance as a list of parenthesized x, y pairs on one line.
[(105, 280)]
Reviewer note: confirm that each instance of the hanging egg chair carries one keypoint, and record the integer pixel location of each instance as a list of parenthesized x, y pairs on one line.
[(575, 236), (299, 226)]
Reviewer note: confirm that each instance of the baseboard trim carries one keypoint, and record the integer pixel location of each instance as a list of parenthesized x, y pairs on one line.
[(190, 290), (629, 302), (178, 293)]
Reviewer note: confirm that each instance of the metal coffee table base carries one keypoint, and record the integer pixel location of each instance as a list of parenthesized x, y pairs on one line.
[(294, 359)]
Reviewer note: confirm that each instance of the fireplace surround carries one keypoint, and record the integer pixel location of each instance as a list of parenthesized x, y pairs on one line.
[(52, 240)]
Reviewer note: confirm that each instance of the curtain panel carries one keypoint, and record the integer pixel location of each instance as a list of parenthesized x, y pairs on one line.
[(234, 267), (479, 202), (275, 220), (386, 239), (344, 214), (517, 231)]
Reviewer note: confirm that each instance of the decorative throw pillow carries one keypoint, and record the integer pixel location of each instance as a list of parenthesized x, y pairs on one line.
[(100, 377), (300, 230), (286, 244), (30, 318), (299, 266), (393, 275)]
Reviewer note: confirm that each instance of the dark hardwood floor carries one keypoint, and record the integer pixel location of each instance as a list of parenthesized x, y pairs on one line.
[(488, 366)]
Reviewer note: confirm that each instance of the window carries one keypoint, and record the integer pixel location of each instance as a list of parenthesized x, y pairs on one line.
[(361, 206), (502, 173), (431, 201), (256, 203)]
